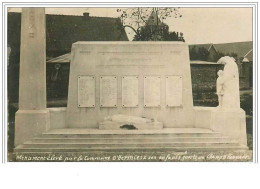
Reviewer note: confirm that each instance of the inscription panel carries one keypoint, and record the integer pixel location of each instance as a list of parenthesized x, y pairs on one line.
[(86, 91), (130, 91), (152, 91), (173, 91), (108, 91)]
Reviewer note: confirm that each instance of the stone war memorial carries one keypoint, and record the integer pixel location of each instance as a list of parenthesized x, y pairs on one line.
[(124, 97)]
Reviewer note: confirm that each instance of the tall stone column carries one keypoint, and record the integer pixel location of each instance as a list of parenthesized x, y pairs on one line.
[(33, 117)]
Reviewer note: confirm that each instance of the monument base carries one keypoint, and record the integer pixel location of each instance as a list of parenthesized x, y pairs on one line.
[(110, 125), (231, 123), (29, 123), (97, 141)]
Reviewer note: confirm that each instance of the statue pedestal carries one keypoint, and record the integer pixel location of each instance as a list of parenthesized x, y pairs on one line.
[(30, 123), (111, 125), (230, 122)]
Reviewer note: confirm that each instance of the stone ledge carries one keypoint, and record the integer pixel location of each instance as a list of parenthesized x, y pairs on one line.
[(57, 117), (58, 109), (110, 125)]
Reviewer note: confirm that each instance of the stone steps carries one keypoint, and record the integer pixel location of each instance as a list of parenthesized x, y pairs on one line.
[(113, 136), (124, 141), (21, 149), (130, 140), (133, 144)]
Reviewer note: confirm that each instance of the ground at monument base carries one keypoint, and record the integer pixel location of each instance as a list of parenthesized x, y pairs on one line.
[(135, 141)]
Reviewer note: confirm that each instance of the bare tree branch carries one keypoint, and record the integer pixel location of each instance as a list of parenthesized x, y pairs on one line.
[(137, 18), (128, 26), (140, 16)]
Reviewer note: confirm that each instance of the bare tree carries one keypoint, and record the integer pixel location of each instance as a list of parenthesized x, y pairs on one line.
[(136, 18)]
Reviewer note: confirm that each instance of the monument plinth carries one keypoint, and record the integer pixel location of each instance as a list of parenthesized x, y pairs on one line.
[(142, 79), (33, 117)]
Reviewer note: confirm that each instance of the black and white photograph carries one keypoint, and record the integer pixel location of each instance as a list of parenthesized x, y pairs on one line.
[(129, 94), (146, 84)]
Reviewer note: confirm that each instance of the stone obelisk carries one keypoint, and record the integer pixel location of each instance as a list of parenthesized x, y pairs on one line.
[(33, 117)]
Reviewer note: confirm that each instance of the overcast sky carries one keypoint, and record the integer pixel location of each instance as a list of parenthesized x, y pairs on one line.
[(199, 25)]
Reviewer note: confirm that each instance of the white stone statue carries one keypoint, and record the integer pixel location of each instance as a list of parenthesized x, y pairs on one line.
[(231, 98), (220, 87)]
